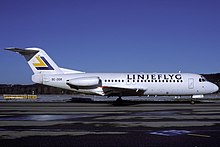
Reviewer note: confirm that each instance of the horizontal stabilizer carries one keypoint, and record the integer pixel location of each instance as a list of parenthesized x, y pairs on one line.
[(22, 51)]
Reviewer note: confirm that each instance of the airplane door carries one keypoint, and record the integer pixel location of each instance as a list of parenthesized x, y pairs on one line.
[(190, 83)]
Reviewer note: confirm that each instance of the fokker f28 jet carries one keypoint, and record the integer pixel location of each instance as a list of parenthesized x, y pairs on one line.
[(46, 72)]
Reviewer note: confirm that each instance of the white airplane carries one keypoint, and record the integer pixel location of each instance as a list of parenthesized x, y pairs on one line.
[(46, 72)]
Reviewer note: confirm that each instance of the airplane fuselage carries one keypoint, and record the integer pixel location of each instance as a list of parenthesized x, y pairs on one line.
[(148, 83)]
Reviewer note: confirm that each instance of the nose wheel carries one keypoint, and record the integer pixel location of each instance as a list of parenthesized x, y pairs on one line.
[(192, 101)]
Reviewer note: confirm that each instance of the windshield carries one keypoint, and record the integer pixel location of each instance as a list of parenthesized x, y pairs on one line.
[(202, 79)]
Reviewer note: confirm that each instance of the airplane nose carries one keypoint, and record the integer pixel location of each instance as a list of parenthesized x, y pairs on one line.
[(215, 88)]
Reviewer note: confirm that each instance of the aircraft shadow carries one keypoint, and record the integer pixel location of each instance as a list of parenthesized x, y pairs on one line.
[(129, 102)]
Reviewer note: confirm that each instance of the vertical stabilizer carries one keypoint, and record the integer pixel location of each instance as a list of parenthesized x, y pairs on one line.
[(38, 60)]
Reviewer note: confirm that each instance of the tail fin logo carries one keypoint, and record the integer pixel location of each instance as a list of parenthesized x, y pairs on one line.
[(42, 64)]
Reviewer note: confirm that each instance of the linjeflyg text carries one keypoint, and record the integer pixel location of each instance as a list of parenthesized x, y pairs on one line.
[(154, 77)]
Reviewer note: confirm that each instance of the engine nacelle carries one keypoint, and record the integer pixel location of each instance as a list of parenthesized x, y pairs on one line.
[(84, 82)]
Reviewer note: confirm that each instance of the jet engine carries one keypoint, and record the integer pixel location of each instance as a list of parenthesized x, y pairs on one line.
[(84, 82)]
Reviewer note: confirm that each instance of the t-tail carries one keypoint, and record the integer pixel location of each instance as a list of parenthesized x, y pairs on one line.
[(40, 63)]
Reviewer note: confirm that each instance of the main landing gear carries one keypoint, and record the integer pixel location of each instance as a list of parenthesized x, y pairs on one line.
[(119, 99)]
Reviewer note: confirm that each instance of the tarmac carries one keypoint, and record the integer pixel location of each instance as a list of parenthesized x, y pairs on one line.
[(106, 124)]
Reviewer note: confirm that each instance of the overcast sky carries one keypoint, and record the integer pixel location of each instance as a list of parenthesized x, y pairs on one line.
[(111, 35)]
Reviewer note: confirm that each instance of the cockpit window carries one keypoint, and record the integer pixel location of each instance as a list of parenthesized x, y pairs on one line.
[(202, 79)]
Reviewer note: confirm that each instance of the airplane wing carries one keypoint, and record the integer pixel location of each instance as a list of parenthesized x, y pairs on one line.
[(118, 91)]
